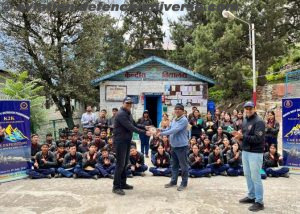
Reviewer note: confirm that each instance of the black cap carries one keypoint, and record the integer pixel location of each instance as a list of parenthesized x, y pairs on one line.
[(249, 104), (127, 100), (180, 106)]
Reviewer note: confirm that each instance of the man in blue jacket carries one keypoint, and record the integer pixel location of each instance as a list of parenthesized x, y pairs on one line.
[(124, 126), (179, 147)]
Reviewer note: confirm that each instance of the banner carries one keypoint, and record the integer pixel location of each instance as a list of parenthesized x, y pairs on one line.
[(15, 145), (291, 133)]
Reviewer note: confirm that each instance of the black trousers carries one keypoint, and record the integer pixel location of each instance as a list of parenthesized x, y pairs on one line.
[(122, 156)]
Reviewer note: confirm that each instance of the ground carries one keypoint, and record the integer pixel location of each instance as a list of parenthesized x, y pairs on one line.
[(204, 195)]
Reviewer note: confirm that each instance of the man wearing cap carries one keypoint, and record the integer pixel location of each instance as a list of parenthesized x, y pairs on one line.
[(179, 147), (253, 136), (124, 126)]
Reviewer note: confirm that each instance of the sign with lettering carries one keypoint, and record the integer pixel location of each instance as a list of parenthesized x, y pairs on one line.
[(115, 93), (15, 145)]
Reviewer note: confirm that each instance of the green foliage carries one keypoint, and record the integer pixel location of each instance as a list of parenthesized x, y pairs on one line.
[(215, 94), (20, 87)]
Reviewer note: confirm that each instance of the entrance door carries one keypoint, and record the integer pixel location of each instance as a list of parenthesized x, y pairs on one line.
[(153, 104)]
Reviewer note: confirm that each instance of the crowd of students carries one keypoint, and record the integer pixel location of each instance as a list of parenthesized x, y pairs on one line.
[(213, 150)]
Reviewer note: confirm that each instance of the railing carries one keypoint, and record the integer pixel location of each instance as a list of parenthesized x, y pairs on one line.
[(292, 78)]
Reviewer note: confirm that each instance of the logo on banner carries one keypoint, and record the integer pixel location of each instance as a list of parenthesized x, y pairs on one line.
[(14, 134), (288, 103), (23, 106), (295, 131)]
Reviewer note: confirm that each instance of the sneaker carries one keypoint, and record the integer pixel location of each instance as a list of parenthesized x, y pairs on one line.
[(49, 176), (208, 175), (130, 176), (110, 176), (286, 175), (170, 185), (192, 176), (75, 176), (181, 188), (256, 207), (58, 175), (223, 173), (127, 186), (247, 200), (118, 191), (95, 177), (143, 174)]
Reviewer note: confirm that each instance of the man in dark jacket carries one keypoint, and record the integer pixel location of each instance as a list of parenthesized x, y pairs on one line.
[(124, 126), (253, 137)]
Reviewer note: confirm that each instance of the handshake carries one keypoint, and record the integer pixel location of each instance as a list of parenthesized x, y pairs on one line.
[(152, 131)]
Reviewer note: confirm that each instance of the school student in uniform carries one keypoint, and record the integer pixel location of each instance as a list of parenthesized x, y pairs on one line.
[(234, 160), (84, 146), (216, 162), (59, 155), (192, 142), (98, 142), (106, 164), (109, 146), (74, 140), (137, 163), (161, 162), (197, 165), (72, 161), (44, 164), (35, 146), (50, 142), (166, 144), (206, 149), (272, 160), (154, 143), (225, 147), (88, 169)]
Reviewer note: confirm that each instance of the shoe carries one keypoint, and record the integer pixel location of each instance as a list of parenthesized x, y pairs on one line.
[(75, 176), (286, 175), (193, 176), (170, 185), (118, 191), (95, 177), (181, 188), (169, 175), (49, 176), (143, 174), (223, 173), (110, 176), (127, 186), (130, 176), (247, 200), (208, 175), (58, 175), (256, 207)]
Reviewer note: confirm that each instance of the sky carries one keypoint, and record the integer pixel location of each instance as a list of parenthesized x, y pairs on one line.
[(168, 15)]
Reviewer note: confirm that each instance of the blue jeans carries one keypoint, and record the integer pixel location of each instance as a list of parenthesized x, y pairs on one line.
[(179, 158), (81, 173), (137, 171), (144, 143), (105, 171), (277, 172), (67, 173), (235, 171), (200, 172), (40, 173), (161, 172), (218, 169), (252, 163)]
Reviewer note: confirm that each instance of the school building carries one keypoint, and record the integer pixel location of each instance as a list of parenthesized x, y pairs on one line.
[(154, 84)]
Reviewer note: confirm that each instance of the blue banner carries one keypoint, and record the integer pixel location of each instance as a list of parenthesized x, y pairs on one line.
[(291, 133), (15, 145)]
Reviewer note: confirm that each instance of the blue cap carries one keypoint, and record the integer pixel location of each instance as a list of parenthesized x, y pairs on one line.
[(249, 104), (127, 100)]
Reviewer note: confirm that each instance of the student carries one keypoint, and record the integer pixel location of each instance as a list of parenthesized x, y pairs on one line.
[(192, 142), (238, 123), (84, 146), (110, 122), (99, 143), (90, 135), (225, 147), (50, 142), (75, 130), (197, 164), (165, 122), (218, 137), (88, 169), (154, 143), (74, 140), (137, 163), (102, 122), (35, 147), (110, 147), (272, 130), (161, 162), (106, 164), (103, 135), (216, 162), (272, 159), (200, 141), (44, 164), (62, 139), (72, 160), (166, 144), (234, 160), (234, 116), (206, 150), (145, 121), (210, 125), (197, 124), (59, 155)]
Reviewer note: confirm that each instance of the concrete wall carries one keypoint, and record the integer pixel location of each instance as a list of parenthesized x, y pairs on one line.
[(139, 87)]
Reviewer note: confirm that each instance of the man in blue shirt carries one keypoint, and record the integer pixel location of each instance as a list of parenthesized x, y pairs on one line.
[(179, 147)]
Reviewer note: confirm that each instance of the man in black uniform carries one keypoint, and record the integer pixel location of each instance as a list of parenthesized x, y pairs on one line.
[(253, 137), (124, 126)]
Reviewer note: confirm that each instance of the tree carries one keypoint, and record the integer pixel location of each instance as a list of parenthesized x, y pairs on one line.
[(63, 49), (143, 29), (20, 87)]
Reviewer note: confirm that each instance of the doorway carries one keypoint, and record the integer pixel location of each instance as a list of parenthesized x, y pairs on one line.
[(153, 104)]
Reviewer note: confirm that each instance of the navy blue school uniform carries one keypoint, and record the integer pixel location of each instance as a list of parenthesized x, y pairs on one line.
[(82, 172), (161, 165), (216, 168), (76, 143), (99, 144), (235, 164), (68, 168), (44, 169), (52, 146), (60, 158), (205, 150), (197, 168), (271, 162), (154, 143), (134, 160), (224, 153), (104, 168), (111, 150), (218, 139), (83, 148), (35, 148)]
